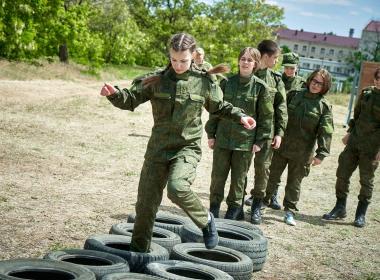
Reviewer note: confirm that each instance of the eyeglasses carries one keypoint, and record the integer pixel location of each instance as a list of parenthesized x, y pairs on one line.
[(317, 83), (248, 60)]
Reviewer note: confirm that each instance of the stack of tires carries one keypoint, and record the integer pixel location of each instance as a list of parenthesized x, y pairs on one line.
[(177, 252)]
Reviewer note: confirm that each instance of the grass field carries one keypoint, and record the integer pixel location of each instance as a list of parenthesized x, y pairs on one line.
[(70, 164)]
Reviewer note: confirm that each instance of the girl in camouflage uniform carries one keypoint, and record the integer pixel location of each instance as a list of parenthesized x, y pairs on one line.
[(177, 95), (310, 123), (233, 144), (362, 149)]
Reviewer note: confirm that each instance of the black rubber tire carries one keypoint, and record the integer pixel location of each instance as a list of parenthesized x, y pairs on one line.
[(130, 276), (233, 262), (250, 243), (183, 270), (241, 224), (163, 237), (101, 263), (167, 221), (43, 269), (120, 246)]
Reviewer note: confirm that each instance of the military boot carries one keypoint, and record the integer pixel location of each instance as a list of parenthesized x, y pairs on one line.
[(214, 209), (210, 234), (274, 203), (338, 212), (360, 214), (233, 212), (255, 211)]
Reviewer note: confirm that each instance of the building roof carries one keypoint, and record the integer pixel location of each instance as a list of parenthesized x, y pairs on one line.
[(320, 38), (373, 26)]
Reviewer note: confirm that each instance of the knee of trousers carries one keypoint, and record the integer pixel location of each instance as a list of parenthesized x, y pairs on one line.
[(178, 189)]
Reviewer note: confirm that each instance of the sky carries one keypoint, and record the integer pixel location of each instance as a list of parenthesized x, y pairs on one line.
[(336, 16)]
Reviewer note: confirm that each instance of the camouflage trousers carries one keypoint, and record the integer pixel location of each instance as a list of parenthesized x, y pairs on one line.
[(297, 170), (262, 162), (225, 160), (178, 175), (348, 161)]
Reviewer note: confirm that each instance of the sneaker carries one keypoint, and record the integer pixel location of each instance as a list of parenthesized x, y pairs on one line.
[(210, 234), (248, 201), (289, 218)]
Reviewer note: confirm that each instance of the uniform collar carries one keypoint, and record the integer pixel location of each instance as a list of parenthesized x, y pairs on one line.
[(310, 95), (176, 77)]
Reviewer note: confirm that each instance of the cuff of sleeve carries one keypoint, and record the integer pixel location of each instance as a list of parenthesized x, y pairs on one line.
[(115, 95), (260, 144), (210, 136), (351, 125), (279, 133), (320, 156)]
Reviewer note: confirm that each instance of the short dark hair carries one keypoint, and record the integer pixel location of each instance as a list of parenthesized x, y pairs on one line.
[(377, 73), (268, 47), (326, 79)]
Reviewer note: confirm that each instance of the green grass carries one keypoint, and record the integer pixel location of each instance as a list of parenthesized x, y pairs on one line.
[(126, 71), (338, 98)]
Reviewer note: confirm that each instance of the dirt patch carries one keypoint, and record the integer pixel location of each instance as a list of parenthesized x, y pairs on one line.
[(70, 164)]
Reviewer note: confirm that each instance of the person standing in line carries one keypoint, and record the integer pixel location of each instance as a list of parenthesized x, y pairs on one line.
[(199, 59), (231, 143), (270, 52), (362, 148), (310, 123), (290, 78), (177, 96)]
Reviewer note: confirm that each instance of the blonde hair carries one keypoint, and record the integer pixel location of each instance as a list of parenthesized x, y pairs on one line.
[(254, 53)]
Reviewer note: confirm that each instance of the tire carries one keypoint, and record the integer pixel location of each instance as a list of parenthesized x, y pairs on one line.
[(163, 237), (182, 270), (100, 263), (43, 269), (244, 225), (120, 246), (167, 221), (233, 262), (250, 243), (130, 276)]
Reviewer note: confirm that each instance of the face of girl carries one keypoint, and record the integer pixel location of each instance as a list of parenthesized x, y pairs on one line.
[(290, 71), (316, 84), (270, 61), (376, 81), (180, 60), (246, 65)]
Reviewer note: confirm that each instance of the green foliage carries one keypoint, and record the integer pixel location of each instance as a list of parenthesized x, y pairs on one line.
[(131, 31)]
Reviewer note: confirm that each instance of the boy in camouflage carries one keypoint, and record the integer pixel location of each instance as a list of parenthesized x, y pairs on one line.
[(362, 149), (290, 78), (177, 95), (233, 144)]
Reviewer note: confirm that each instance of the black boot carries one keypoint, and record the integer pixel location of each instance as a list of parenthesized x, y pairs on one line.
[(210, 234), (255, 211), (339, 210), (214, 209), (233, 212), (240, 216), (274, 203), (360, 214)]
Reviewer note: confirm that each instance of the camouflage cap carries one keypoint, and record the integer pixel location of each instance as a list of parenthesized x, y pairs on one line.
[(290, 59)]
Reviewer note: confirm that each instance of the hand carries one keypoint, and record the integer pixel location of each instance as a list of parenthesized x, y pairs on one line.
[(256, 149), (211, 143), (316, 161), (345, 138), (276, 143), (248, 122), (107, 90), (377, 157)]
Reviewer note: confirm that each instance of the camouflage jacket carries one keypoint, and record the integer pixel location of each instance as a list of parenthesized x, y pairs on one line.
[(278, 96), (310, 122), (250, 94), (293, 83), (177, 102), (365, 126)]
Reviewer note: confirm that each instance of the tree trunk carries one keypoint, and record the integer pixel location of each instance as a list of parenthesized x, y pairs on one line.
[(63, 54)]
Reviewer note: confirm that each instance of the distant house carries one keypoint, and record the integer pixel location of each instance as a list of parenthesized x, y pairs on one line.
[(370, 40), (321, 50)]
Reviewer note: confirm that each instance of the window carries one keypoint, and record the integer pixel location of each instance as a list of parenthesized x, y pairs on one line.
[(313, 49), (306, 65), (331, 52), (338, 70), (340, 53), (328, 68), (311, 56), (322, 50), (317, 66), (295, 48), (304, 48)]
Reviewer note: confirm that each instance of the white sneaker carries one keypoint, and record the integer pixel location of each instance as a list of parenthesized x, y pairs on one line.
[(289, 218)]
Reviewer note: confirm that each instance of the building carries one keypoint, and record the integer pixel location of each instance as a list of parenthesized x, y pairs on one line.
[(370, 40), (321, 50)]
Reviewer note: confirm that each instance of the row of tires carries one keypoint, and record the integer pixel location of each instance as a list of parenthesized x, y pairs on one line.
[(242, 250)]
